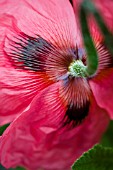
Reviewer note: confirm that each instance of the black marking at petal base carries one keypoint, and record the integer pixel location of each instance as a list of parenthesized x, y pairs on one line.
[(75, 115), (71, 1), (30, 53)]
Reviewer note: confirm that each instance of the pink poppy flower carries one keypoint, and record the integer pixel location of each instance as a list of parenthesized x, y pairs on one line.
[(44, 89)]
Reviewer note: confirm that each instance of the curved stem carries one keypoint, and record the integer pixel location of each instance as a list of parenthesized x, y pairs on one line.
[(86, 8), (92, 56)]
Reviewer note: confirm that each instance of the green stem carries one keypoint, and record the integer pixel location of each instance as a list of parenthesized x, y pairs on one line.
[(86, 8), (92, 56)]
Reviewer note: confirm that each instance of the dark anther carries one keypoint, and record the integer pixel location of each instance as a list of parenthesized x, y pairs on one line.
[(77, 52)]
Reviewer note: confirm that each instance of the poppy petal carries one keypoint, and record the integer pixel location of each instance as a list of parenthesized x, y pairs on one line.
[(102, 87), (17, 91), (48, 145), (52, 20), (17, 87)]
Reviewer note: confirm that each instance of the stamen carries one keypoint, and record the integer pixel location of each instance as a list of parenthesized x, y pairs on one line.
[(77, 69)]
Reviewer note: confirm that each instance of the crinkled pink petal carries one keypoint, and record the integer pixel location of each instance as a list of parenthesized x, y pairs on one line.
[(17, 87), (36, 140), (102, 87), (53, 20), (6, 24), (17, 90)]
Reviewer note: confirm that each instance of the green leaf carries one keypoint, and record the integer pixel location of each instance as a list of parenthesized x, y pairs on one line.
[(107, 139), (18, 168), (3, 128), (2, 168), (97, 158), (92, 56)]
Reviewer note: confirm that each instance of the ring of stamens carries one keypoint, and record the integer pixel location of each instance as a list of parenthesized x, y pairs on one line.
[(77, 69)]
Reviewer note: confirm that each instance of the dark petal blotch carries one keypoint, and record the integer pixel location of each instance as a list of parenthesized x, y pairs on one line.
[(75, 115), (31, 54)]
